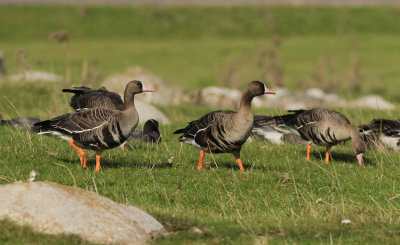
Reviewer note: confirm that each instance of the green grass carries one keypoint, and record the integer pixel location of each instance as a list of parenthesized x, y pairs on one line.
[(275, 201)]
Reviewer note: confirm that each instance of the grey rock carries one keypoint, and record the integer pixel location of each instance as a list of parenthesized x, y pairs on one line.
[(164, 94), (55, 209), (33, 76)]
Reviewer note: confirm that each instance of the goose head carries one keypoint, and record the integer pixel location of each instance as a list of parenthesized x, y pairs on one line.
[(132, 88), (257, 88), (136, 87), (358, 145)]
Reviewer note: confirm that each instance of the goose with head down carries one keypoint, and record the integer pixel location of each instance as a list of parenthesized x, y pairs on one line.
[(325, 128), (224, 131), (97, 128)]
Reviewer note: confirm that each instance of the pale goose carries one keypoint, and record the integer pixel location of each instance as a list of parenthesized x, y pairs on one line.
[(224, 131), (385, 131), (326, 128), (271, 129), (149, 134), (97, 128), (20, 122)]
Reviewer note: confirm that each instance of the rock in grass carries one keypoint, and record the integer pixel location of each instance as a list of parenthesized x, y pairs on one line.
[(55, 209)]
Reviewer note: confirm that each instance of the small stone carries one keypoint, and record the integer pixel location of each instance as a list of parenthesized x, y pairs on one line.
[(346, 221), (32, 176)]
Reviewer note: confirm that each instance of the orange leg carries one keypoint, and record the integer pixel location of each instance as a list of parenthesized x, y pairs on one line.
[(308, 151), (82, 154), (239, 162), (98, 157), (200, 166), (327, 155)]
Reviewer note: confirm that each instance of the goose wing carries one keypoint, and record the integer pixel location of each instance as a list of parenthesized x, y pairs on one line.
[(79, 122), (200, 124), (85, 97), (377, 126)]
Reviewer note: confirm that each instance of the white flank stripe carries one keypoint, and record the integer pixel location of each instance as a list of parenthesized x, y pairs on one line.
[(57, 135), (84, 130)]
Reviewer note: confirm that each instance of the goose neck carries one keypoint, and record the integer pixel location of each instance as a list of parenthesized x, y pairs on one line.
[(245, 102)]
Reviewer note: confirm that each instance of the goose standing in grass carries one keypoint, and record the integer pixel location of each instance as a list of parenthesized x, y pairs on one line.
[(271, 129), (384, 130), (97, 128), (85, 97), (224, 131), (20, 122), (149, 134), (325, 128)]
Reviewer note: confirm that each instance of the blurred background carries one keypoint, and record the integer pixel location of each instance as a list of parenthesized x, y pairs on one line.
[(313, 52)]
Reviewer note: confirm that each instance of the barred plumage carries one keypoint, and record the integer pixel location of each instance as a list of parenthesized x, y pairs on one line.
[(224, 131), (324, 127), (85, 97), (382, 131), (274, 130), (97, 128)]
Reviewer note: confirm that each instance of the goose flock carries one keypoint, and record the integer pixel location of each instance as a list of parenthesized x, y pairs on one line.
[(102, 120)]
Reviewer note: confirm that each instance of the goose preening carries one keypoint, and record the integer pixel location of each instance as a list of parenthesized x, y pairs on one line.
[(224, 131), (326, 128), (149, 134), (385, 131), (272, 129), (97, 128), (21, 122)]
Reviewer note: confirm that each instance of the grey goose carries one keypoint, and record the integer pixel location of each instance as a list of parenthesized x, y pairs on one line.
[(386, 131), (273, 130), (20, 122), (149, 134), (85, 97), (97, 128), (224, 131), (325, 128)]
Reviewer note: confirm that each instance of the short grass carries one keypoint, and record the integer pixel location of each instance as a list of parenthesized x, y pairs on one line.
[(281, 198)]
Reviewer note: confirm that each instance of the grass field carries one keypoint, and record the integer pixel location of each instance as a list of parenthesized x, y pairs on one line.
[(281, 198)]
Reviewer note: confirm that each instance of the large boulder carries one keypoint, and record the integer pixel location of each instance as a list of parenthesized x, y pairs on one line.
[(55, 209)]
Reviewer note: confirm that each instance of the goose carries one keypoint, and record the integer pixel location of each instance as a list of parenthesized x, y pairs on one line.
[(97, 128), (325, 128), (85, 97), (270, 128), (224, 131), (20, 122), (149, 133), (384, 130)]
